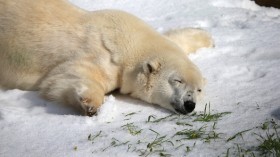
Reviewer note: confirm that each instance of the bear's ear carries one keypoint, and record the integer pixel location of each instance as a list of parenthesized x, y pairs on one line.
[(151, 66)]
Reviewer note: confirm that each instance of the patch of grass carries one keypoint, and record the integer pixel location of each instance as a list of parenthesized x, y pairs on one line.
[(160, 119), (244, 152), (115, 143), (132, 129), (269, 124), (270, 144), (212, 135), (183, 123), (129, 114), (192, 134), (93, 137), (238, 151), (156, 145), (207, 117), (265, 126), (237, 134), (200, 133), (189, 148), (158, 141), (150, 117), (164, 154), (211, 117), (186, 128), (176, 148), (227, 154)]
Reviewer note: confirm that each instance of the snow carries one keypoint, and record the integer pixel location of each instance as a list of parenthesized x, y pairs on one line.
[(242, 71)]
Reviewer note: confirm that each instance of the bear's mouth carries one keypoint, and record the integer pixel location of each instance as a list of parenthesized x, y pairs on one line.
[(181, 111), (178, 109)]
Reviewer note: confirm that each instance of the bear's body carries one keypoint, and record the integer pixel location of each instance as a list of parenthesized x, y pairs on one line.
[(75, 57)]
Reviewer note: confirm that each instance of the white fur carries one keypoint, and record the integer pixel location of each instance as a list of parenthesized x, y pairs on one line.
[(75, 57)]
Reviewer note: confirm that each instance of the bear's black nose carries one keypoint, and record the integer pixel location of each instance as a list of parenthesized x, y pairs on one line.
[(189, 106)]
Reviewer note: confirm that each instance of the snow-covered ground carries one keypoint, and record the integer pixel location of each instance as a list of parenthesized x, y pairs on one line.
[(243, 75)]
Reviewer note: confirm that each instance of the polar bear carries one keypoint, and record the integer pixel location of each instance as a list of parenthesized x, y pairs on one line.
[(75, 57)]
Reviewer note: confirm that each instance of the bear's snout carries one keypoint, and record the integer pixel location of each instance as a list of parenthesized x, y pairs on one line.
[(186, 108), (189, 106)]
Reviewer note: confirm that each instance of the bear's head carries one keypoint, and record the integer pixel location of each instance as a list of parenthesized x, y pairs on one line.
[(169, 80)]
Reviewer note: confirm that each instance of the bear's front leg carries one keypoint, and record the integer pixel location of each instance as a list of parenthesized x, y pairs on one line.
[(90, 96), (79, 84)]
